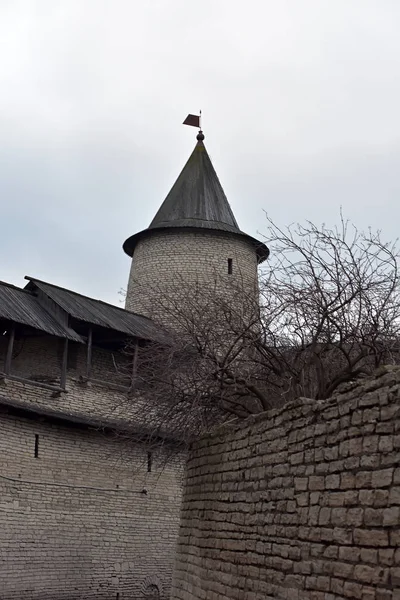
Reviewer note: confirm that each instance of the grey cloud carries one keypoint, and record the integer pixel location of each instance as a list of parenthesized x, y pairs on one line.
[(300, 102)]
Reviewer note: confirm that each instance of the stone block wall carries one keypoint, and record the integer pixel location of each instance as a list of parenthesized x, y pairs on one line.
[(300, 503), (166, 262), (84, 518), (40, 356)]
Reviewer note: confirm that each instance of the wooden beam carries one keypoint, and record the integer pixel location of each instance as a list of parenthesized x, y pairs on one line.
[(10, 347), (89, 354), (111, 385), (46, 386), (64, 364)]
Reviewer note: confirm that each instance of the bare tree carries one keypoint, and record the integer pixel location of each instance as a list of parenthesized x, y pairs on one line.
[(327, 311)]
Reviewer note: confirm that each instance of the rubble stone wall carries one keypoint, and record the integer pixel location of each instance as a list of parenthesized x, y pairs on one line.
[(300, 503)]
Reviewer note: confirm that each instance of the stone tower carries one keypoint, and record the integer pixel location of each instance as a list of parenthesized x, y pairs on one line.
[(194, 240)]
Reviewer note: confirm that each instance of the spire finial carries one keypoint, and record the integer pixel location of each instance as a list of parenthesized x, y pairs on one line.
[(195, 121)]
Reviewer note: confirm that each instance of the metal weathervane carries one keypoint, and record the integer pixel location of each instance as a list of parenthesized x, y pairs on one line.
[(193, 120)]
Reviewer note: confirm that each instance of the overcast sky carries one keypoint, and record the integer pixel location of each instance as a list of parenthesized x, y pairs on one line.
[(300, 99)]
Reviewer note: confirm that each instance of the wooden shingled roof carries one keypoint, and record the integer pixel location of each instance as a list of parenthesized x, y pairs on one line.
[(197, 195), (97, 312), (197, 200), (22, 306)]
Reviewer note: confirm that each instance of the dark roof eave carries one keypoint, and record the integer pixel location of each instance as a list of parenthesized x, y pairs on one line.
[(261, 249), (70, 335), (21, 307)]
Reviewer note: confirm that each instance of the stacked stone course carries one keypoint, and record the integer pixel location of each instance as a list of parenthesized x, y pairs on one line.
[(85, 518), (300, 503), (166, 261), (39, 356)]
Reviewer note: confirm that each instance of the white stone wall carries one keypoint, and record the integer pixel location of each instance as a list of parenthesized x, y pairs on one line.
[(41, 356), (84, 519), (166, 262), (74, 522)]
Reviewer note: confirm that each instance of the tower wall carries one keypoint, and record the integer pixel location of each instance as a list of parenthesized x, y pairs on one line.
[(170, 265)]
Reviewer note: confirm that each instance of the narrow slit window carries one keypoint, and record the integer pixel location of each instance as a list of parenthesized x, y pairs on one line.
[(230, 266), (36, 445), (149, 462)]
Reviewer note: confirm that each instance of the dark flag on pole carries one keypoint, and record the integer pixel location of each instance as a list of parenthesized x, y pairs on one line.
[(192, 120)]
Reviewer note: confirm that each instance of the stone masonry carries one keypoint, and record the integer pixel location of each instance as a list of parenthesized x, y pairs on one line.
[(83, 513), (165, 263), (300, 503), (39, 356), (83, 519), (91, 473)]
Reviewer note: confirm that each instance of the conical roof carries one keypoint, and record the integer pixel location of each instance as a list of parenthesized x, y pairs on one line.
[(196, 200), (197, 195)]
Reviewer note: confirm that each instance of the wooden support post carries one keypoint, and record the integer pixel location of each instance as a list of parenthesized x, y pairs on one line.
[(89, 354), (64, 364), (134, 364), (10, 347)]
